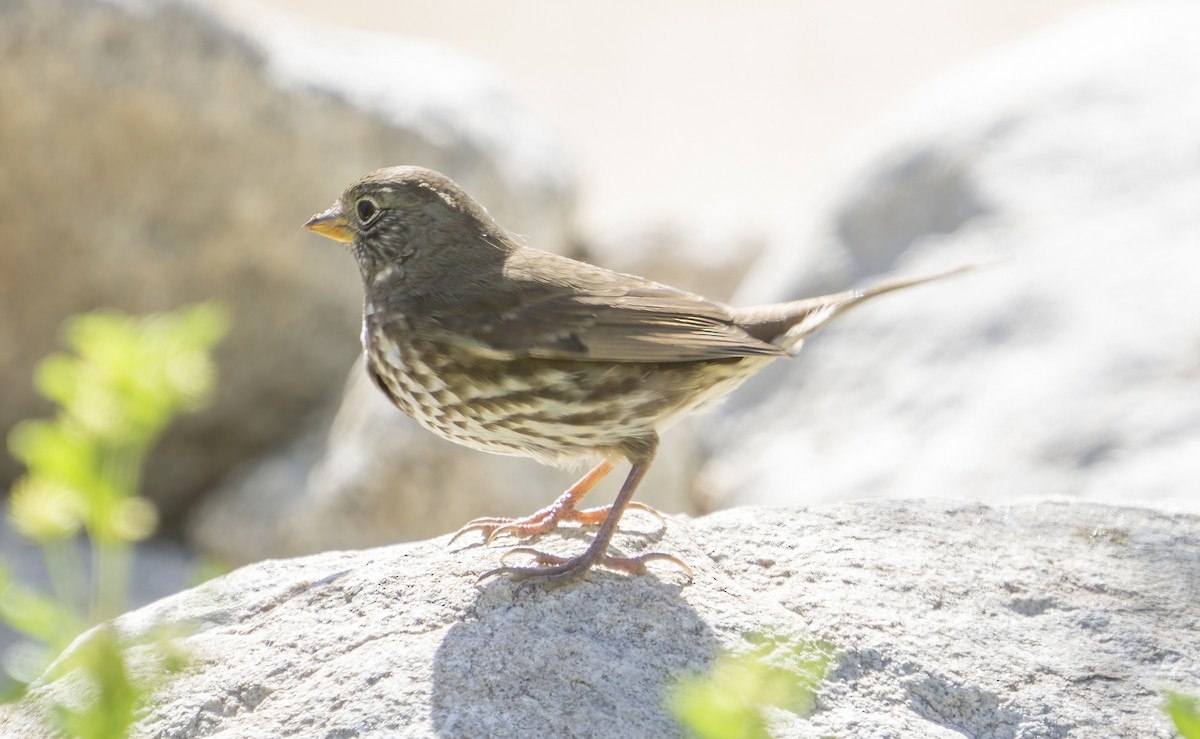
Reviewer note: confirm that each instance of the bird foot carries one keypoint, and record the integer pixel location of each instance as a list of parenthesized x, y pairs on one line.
[(545, 520), (554, 570)]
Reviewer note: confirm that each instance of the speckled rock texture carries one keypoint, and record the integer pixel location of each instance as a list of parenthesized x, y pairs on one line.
[(943, 618)]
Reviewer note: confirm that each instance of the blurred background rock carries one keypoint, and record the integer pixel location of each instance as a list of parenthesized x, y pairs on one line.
[(1070, 372), (159, 153), (156, 156)]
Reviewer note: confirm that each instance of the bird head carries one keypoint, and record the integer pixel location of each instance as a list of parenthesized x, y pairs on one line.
[(413, 225)]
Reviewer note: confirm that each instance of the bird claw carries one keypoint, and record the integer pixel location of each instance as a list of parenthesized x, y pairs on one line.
[(555, 570), (528, 527), (484, 525), (522, 529), (546, 520), (633, 505)]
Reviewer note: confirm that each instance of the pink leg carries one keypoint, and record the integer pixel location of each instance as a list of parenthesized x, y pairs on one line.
[(560, 511), (556, 570)]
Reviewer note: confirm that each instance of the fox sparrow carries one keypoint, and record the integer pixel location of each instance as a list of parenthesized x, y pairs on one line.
[(511, 350)]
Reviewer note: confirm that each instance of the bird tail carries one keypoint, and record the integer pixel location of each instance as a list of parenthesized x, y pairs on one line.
[(787, 324)]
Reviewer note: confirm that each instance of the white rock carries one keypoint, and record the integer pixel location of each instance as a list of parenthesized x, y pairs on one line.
[(1072, 369), (943, 618)]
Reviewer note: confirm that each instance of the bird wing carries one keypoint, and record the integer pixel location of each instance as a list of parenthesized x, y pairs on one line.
[(582, 312)]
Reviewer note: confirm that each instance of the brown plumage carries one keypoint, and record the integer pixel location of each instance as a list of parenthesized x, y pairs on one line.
[(507, 349)]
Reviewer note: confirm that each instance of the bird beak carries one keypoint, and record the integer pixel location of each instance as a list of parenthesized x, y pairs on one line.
[(332, 223)]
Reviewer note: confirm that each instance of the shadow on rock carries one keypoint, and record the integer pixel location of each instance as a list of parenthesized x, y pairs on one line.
[(566, 661)]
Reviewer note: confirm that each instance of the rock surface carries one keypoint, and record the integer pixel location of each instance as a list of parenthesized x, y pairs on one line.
[(156, 156), (945, 618), (1069, 370)]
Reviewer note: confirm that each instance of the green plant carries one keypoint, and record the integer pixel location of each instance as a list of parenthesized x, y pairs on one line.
[(1184, 712), (127, 378), (729, 701)]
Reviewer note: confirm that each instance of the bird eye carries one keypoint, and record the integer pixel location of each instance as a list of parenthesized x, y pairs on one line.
[(366, 210)]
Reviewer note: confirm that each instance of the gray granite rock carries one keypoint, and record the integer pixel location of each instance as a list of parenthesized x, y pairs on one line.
[(1069, 370), (943, 618), (155, 155)]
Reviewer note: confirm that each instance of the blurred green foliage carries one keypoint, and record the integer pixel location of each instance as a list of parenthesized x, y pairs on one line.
[(730, 701), (125, 380), (1184, 712)]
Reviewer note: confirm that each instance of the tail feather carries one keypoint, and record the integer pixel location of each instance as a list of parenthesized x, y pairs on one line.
[(787, 324)]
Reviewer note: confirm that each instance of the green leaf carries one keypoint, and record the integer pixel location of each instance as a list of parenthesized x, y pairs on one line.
[(1183, 711), (728, 702), (57, 378), (102, 660), (126, 380), (133, 519), (36, 615), (54, 450), (45, 511)]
